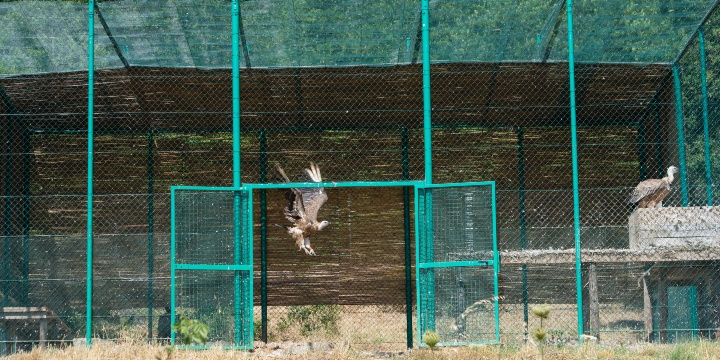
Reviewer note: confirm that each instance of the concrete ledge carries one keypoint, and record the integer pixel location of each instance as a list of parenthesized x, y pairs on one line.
[(675, 227), (567, 256)]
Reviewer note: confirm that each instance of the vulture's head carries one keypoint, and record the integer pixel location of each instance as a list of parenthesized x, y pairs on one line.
[(323, 224), (671, 172)]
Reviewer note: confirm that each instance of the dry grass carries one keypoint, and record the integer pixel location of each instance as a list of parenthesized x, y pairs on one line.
[(130, 350), (375, 327), (379, 327)]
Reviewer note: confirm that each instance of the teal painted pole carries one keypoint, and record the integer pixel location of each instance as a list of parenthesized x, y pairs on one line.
[(173, 234), (575, 180), (706, 126), (427, 145), (681, 136), (427, 104), (523, 222), (89, 273), (496, 265), (263, 239), (151, 229), (420, 258), (26, 217), (248, 332), (237, 260), (236, 92), (7, 223), (429, 257), (405, 139), (236, 165)]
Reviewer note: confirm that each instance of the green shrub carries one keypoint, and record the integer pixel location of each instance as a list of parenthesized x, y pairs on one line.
[(431, 338), (191, 331), (311, 318)]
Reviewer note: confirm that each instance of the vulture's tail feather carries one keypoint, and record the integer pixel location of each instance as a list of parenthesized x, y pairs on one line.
[(280, 171)]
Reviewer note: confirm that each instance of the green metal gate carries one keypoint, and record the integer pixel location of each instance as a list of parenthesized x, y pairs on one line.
[(211, 261), (457, 262)]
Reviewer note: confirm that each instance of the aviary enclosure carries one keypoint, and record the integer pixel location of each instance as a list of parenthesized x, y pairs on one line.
[(563, 106)]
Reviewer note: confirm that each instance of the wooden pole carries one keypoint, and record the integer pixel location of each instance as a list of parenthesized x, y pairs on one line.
[(594, 316)]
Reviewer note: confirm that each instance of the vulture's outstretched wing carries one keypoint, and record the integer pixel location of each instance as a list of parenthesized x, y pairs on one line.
[(313, 198), (648, 188), (303, 203), (294, 211)]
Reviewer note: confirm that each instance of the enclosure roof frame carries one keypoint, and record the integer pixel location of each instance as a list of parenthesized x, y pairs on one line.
[(695, 33)]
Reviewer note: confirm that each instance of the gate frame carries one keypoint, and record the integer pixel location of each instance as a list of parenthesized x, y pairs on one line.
[(249, 187), (215, 267), (480, 263)]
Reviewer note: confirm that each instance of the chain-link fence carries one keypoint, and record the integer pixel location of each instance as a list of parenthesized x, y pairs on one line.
[(341, 83)]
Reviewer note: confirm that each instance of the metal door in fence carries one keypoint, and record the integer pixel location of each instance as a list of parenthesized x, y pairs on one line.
[(457, 262), (211, 261)]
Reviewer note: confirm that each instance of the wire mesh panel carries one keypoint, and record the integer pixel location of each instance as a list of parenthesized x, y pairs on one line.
[(457, 263), (212, 262), (358, 287)]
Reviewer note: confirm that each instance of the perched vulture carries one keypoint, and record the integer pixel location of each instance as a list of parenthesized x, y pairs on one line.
[(651, 192), (302, 208)]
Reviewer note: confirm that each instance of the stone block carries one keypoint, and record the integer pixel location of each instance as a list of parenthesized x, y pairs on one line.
[(675, 227)]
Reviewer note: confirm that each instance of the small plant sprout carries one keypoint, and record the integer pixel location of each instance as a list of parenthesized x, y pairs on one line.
[(542, 312), (539, 334), (431, 339), (192, 331)]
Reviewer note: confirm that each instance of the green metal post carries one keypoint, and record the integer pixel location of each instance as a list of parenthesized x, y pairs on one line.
[(6, 256), (680, 135), (89, 272), (26, 217), (236, 161), (523, 225), (7, 223), (7, 226), (263, 239), (427, 145), (172, 262), (575, 180), (405, 139), (430, 257), (247, 260), (236, 92), (237, 208), (151, 228), (706, 126), (427, 104), (419, 258), (496, 265)]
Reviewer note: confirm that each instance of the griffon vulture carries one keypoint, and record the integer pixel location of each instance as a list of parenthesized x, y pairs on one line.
[(302, 208), (651, 192)]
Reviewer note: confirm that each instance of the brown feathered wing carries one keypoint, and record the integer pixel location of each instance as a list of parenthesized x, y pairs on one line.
[(650, 192), (304, 203), (313, 198)]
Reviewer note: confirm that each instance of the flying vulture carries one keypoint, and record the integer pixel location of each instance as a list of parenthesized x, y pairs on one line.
[(651, 192), (302, 208)]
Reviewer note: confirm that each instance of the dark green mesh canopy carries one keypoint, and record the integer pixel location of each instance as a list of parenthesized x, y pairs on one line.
[(291, 33)]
